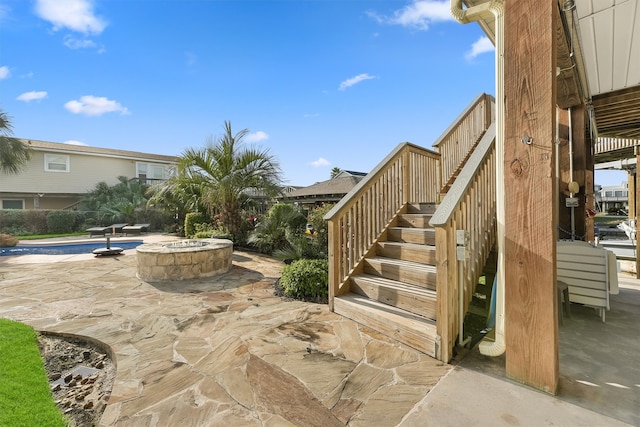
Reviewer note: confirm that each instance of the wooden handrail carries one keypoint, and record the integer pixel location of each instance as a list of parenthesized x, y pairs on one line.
[(409, 173), (469, 205), (459, 139)]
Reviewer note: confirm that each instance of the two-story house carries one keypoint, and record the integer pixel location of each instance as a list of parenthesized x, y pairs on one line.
[(612, 197), (58, 175)]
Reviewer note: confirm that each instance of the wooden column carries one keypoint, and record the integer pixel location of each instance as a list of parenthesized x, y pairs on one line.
[(637, 212), (564, 213), (531, 328), (588, 178), (631, 194), (574, 119), (581, 167)]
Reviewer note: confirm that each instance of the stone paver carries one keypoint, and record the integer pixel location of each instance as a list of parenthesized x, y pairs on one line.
[(219, 351)]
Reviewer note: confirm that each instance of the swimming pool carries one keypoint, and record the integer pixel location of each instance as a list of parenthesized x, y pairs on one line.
[(69, 249)]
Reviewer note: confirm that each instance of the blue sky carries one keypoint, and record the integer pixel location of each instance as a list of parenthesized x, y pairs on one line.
[(321, 83)]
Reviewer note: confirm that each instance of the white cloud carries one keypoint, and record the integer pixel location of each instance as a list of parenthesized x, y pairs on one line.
[(256, 136), (75, 15), (191, 58), (320, 162), (419, 14), (355, 80), (4, 12), (94, 106), (482, 45), (74, 142), (4, 72), (32, 96), (74, 43)]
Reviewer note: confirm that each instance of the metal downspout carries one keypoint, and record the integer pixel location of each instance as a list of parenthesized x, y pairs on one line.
[(494, 8)]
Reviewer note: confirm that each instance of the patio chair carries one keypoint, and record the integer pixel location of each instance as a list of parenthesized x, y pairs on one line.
[(97, 231), (117, 228), (136, 229), (590, 273)]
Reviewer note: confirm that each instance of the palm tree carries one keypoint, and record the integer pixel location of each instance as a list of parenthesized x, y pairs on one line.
[(222, 174), (13, 153), (275, 230), (335, 171), (120, 202)]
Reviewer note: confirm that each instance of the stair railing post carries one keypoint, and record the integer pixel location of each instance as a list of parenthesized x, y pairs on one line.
[(406, 177)]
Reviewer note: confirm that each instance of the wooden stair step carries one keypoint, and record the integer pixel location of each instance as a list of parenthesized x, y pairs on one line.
[(414, 220), (403, 271), (411, 330), (412, 298), (425, 254), (421, 208), (423, 236)]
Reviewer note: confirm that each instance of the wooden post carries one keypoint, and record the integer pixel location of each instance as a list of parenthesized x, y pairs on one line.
[(637, 213), (531, 328), (588, 179), (631, 194), (581, 150), (334, 269), (564, 213)]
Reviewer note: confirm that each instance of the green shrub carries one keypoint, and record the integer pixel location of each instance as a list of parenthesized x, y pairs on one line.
[(316, 219), (306, 279), (61, 221), (12, 221), (35, 221), (190, 221), (8, 241)]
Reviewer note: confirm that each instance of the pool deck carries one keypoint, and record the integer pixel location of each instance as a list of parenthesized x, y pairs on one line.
[(226, 351)]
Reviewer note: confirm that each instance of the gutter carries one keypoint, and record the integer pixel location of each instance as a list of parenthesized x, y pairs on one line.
[(494, 9)]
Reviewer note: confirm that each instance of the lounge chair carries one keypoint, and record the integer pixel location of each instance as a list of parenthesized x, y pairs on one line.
[(97, 231), (117, 228), (136, 229)]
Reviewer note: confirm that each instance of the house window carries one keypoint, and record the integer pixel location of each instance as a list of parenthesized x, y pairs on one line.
[(56, 163), (12, 204), (150, 171)]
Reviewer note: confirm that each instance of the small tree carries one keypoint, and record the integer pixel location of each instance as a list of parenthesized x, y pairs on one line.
[(277, 228), (13, 153), (335, 171), (118, 203), (220, 177)]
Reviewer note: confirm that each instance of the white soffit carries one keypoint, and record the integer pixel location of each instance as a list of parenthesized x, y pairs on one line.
[(610, 40)]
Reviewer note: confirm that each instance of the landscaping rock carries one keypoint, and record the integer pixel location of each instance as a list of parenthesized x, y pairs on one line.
[(81, 376)]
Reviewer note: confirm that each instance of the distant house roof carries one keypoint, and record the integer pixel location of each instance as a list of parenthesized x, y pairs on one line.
[(96, 151), (350, 173), (331, 190)]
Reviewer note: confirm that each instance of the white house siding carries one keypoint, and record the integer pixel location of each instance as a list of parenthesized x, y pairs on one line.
[(84, 173), (38, 188)]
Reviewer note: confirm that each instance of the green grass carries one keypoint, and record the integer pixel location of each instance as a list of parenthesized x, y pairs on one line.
[(607, 220), (25, 398)]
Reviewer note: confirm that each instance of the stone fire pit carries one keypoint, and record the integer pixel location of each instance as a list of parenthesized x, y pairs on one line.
[(184, 259)]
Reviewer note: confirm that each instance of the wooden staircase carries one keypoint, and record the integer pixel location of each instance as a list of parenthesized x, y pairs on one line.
[(394, 292)]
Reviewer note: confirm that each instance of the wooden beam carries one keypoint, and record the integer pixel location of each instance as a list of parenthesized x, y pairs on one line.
[(531, 328)]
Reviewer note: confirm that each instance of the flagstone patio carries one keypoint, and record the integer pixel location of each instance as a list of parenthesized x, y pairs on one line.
[(219, 351)]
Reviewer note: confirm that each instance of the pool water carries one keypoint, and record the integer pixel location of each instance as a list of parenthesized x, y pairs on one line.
[(70, 249)]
